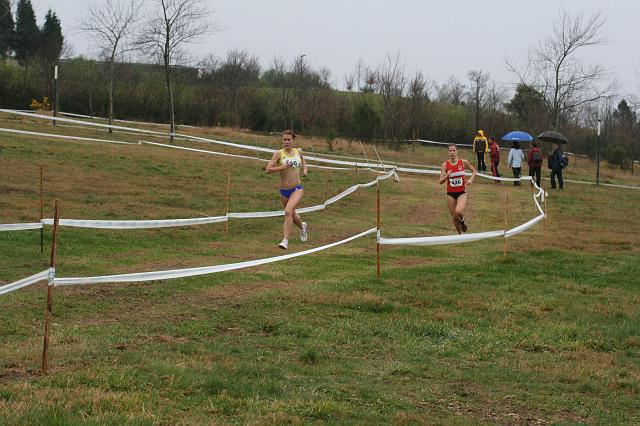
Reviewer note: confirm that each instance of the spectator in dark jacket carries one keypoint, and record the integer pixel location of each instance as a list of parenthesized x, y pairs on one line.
[(534, 161), (555, 164), (494, 152)]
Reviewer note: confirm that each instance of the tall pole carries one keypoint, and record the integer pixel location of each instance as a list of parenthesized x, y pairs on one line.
[(41, 212), (378, 227), (55, 92), (326, 190), (598, 154), (226, 224), (546, 220), (506, 215), (48, 312)]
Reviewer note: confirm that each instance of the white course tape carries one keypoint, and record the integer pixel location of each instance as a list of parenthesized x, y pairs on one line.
[(311, 209), (190, 272), (254, 148), (40, 276), (257, 148), (122, 121), (443, 143), (204, 151), (504, 179), (166, 223), (86, 123), (53, 135), (444, 239), (535, 200), (464, 238), (519, 229), (612, 185), (341, 195), (349, 157), (224, 154), (135, 224), (19, 226)]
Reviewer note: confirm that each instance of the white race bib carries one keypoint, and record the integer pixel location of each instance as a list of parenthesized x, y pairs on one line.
[(293, 163), (455, 182)]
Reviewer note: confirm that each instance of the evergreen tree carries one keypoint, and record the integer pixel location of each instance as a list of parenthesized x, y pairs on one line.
[(51, 39), (27, 34), (6, 28)]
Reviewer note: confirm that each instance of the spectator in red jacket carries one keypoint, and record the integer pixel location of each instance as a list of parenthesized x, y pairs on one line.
[(534, 161), (494, 152)]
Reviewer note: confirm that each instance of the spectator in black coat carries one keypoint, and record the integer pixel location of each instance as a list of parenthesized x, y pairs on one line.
[(555, 164)]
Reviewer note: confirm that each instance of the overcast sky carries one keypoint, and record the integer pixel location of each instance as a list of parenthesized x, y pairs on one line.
[(440, 38)]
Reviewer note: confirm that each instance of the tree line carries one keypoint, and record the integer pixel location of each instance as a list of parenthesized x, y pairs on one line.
[(141, 73)]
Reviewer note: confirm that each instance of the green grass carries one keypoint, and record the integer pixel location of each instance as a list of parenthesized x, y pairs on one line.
[(450, 334)]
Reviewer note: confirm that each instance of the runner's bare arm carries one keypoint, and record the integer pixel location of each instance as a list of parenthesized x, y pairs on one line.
[(473, 171), (444, 173), (272, 168), (304, 163)]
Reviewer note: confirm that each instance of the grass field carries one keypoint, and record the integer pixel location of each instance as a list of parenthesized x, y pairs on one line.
[(450, 334)]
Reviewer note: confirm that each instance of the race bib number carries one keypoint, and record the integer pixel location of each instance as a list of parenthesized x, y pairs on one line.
[(293, 163), (455, 182)]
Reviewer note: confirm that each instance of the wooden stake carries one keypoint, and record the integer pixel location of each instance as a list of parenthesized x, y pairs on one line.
[(226, 224), (48, 312), (546, 220), (365, 154), (326, 191), (255, 141), (506, 213), (41, 211), (378, 227)]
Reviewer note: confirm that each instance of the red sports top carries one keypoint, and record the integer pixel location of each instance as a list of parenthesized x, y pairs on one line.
[(455, 182)]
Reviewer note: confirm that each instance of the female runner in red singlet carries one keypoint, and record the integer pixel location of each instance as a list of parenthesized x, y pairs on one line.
[(452, 172)]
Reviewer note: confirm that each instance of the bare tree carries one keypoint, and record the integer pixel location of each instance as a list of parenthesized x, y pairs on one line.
[(300, 74), (111, 24), (280, 82), (478, 94), (390, 84), (451, 92), (554, 70), (349, 82), (417, 96), (238, 70), (171, 25)]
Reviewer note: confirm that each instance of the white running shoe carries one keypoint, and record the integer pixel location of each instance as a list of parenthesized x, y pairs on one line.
[(303, 232), (284, 244)]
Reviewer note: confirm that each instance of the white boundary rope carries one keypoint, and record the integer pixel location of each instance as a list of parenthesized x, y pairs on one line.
[(190, 272), (465, 238), (261, 149), (19, 226), (243, 146), (53, 135), (122, 121), (48, 274), (145, 224)]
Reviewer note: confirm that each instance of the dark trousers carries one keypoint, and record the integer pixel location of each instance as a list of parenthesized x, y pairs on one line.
[(482, 167), (535, 171), (556, 172), (516, 174), (494, 167)]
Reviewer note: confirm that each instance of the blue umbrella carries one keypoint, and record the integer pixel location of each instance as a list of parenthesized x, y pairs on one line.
[(517, 135)]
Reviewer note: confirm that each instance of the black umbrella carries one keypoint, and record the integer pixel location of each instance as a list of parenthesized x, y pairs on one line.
[(553, 137)]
